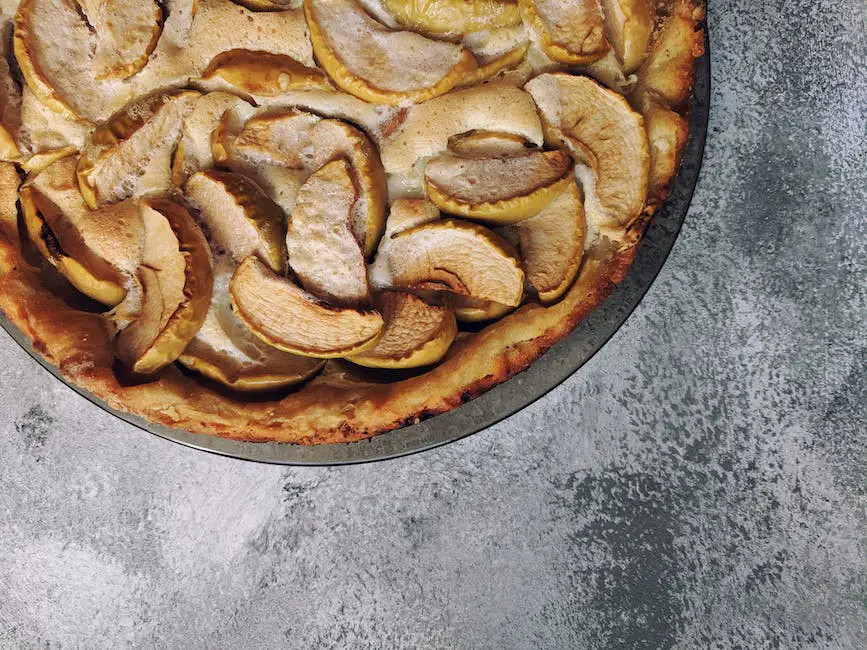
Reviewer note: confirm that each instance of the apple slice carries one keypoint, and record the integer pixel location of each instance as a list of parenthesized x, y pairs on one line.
[(667, 132), (225, 351), (487, 144), (669, 70), (131, 154), (451, 18), (10, 103), (126, 33), (193, 152), (323, 251), (301, 140), (552, 243), (290, 319), (570, 32), (264, 74), (415, 333), (427, 127), (380, 65), (606, 136), (94, 250), (240, 218), (179, 21), (498, 190), (173, 287), (450, 255), (471, 310), (629, 24)]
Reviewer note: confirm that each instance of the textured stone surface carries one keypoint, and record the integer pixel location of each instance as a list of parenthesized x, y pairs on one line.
[(701, 482)]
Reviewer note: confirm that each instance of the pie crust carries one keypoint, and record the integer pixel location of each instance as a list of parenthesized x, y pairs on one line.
[(344, 402)]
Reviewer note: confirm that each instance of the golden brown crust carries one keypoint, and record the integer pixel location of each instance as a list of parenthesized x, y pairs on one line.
[(340, 405)]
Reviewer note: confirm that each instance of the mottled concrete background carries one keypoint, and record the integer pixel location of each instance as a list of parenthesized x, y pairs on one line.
[(700, 483)]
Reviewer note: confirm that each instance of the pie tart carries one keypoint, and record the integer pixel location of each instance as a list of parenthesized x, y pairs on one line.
[(313, 222)]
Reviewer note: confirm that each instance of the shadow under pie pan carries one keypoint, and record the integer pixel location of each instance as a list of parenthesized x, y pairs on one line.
[(556, 365)]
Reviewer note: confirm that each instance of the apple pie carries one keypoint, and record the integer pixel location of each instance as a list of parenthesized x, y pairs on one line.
[(315, 221)]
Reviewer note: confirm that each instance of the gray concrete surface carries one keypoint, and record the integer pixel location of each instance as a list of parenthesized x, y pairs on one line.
[(700, 483)]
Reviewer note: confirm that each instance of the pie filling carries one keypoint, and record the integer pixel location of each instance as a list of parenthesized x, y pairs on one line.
[(277, 195)]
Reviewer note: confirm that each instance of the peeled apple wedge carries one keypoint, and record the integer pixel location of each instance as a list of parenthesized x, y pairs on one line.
[(378, 64), (569, 32), (449, 255), (629, 25), (607, 138), (323, 251), (305, 142), (131, 153), (126, 33), (415, 333), (449, 18), (428, 127), (498, 190), (241, 219), (225, 351), (264, 74), (470, 310), (288, 318), (193, 151), (552, 243), (172, 292), (10, 105), (94, 249)]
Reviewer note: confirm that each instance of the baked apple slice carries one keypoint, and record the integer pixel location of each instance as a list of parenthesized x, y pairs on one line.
[(303, 141), (10, 102), (240, 218), (131, 153), (94, 250), (225, 351), (450, 255), (552, 243), (605, 136), (629, 25), (126, 33), (193, 151), (667, 133), (669, 70), (499, 190), (323, 251), (428, 127), (453, 18), (264, 74), (288, 318), (568, 32), (169, 299), (378, 64), (471, 310), (415, 333)]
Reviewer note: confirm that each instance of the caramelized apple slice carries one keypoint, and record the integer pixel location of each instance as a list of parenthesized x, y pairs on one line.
[(264, 74), (552, 243), (568, 32), (131, 154), (126, 33), (450, 255), (380, 65), (323, 251), (240, 217), (290, 319), (499, 190), (471, 310), (453, 17), (415, 333), (225, 351), (606, 135), (94, 250), (629, 24), (170, 299)]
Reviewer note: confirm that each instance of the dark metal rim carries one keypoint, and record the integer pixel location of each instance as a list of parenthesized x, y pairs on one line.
[(506, 399)]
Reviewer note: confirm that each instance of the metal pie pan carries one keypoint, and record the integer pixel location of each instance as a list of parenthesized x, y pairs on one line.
[(554, 367)]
